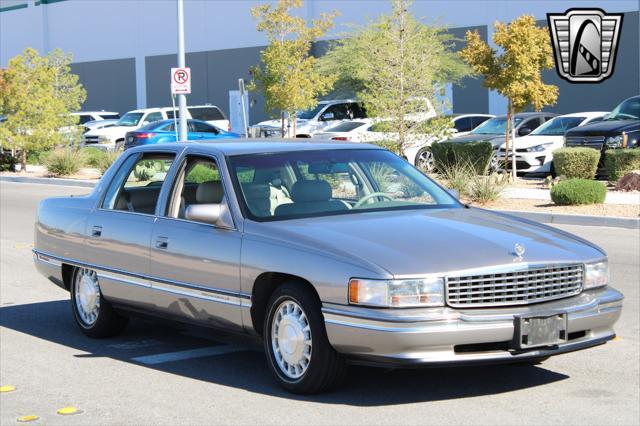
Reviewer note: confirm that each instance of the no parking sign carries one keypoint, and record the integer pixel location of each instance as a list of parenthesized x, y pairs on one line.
[(180, 81)]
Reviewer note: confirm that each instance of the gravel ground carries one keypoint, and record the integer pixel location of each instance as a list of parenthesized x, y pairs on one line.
[(541, 206)]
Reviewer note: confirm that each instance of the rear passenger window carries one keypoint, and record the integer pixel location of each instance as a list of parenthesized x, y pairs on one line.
[(136, 187), (463, 124), (207, 114)]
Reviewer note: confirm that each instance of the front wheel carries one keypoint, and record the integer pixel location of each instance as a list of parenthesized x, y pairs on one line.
[(93, 313), (296, 344)]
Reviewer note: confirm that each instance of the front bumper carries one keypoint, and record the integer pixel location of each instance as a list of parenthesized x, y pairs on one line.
[(448, 336), (534, 162)]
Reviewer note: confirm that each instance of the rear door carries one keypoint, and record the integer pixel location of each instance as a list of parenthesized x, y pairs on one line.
[(119, 230), (196, 265)]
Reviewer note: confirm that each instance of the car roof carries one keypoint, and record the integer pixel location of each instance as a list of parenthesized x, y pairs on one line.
[(257, 146), (336, 101), (587, 114), (530, 114), (94, 112), (470, 114)]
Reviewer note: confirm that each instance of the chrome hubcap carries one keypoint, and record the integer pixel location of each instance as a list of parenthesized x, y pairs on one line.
[(87, 296), (291, 339), (425, 160)]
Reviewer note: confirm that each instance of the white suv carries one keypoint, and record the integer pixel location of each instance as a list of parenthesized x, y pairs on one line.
[(316, 119), (112, 137)]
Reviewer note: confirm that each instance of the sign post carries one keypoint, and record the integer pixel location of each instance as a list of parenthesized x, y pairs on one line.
[(182, 75)]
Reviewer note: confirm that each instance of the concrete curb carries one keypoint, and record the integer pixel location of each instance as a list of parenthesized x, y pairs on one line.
[(49, 181), (570, 219)]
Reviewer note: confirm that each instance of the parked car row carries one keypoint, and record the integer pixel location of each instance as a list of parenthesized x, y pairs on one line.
[(538, 134), (112, 136)]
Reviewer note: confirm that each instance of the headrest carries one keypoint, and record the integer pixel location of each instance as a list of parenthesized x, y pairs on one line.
[(311, 190), (209, 192)]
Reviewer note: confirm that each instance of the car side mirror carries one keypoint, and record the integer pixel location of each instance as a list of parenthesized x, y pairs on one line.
[(213, 214), (524, 131), (327, 116), (454, 193)]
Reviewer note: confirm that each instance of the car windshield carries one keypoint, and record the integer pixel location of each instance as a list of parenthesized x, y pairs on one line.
[(627, 110), (558, 126), (497, 125), (310, 113), (130, 119), (299, 184)]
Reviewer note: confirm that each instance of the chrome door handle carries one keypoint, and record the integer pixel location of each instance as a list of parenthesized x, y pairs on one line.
[(96, 231), (162, 243)]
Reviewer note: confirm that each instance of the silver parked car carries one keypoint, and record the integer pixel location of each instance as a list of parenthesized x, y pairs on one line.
[(334, 253)]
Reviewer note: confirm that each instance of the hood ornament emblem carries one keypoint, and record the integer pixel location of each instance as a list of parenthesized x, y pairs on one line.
[(518, 250)]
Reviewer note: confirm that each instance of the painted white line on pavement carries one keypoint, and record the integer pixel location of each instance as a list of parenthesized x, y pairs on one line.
[(188, 354)]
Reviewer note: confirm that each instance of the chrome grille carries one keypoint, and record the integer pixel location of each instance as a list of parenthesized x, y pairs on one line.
[(587, 141), (91, 139), (521, 287)]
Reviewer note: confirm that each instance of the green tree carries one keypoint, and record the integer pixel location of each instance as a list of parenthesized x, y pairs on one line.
[(38, 95), (396, 65), (287, 75), (515, 73)]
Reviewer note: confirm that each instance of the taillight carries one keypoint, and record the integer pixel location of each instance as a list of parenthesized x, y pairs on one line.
[(145, 135), (340, 138)]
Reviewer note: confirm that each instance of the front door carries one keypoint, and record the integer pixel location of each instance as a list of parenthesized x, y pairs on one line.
[(119, 230), (196, 265)]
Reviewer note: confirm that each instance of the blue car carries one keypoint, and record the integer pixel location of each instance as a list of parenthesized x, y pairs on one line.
[(164, 131)]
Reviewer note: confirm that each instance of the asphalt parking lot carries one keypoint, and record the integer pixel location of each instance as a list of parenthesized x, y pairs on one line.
[(154, 374)]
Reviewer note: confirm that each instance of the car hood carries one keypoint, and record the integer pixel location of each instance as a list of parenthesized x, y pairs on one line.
[(533, 140), (110, 130), (604, 128), (419, 242), (492, 137), (277, 123)]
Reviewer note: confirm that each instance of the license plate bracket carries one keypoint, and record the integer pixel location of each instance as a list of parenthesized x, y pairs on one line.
[(538, 331)]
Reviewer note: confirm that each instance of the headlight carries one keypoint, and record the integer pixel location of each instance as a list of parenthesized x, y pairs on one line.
[(596, 274), (397, 293), (614, 141), (539, 148)]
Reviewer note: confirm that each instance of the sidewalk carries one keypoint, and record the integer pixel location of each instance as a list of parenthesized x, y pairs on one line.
[(624, 198)]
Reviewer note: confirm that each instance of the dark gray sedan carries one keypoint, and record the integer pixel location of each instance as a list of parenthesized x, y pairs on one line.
[(332, 253)]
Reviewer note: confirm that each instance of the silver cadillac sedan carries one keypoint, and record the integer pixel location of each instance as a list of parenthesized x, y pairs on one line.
[(333, 253)]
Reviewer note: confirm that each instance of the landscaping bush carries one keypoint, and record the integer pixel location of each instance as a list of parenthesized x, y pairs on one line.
[(64, 162), (617, 162), (7, 162), (36, 157), (578, 191), (629, 182), (457, 176), (487, 188), (94, 156), (476, 154), (105, 161), (576, 163)]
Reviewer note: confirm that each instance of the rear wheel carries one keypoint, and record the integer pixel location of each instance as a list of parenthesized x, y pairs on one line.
[(296, 344), (119, 145), (94, 315), (424, 160)]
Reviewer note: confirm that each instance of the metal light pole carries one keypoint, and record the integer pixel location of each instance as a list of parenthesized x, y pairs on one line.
[(182, 99)]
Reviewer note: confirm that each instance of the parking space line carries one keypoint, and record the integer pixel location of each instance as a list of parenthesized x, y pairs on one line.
[(188, 354)]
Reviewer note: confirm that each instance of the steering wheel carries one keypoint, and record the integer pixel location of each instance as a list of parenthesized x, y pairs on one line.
[(367, 197)]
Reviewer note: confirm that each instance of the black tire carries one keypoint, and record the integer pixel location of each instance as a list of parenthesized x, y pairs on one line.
[(553, 170), (326, 368), (119, 147), (108, 322), (427, 167)]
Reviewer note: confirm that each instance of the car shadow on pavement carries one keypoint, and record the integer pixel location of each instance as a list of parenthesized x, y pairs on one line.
[(247, 369)]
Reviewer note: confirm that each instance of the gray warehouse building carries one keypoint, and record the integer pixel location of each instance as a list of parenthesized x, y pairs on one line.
[(123, 50)]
